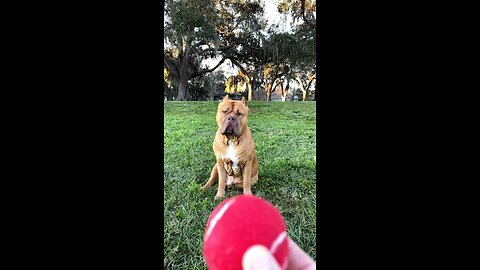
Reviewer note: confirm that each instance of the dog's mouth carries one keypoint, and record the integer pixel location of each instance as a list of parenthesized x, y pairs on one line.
[(230, 127), (229, 130)]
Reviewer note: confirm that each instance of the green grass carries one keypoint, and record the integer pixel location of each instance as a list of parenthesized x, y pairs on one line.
[(284, 134)]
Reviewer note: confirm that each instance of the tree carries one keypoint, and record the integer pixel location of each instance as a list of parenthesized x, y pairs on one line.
[(206, 29), (238, 84), (246, 38), (305, 78), (285, 89), (187, 27), (220, 30), (214, 84), (198, 90), (273, 74), (303, 58), (277, 72), (300, 9)]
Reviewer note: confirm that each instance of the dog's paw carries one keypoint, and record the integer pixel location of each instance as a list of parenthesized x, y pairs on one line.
[(219, 195), (247, 192), (206, 186)]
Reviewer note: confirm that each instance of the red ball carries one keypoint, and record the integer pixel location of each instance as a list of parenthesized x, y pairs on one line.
[(239, 223)]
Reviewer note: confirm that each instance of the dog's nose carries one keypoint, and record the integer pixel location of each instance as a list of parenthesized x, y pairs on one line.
[(230, 118)]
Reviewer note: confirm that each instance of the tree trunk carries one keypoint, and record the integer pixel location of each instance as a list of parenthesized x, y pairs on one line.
[(256, 91), (285, 93), (249, 92), (211, 88), (305, 94), (268, 88), (256, 83), (182, 89), (287, 87), (304, 91)]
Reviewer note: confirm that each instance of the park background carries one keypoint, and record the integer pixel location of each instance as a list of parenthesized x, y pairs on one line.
[(265, 52)]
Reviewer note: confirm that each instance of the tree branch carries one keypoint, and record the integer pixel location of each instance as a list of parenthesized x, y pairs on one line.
[(200, 73), (235, 62), (235, 43), (311, 79), (300, 81), (304, 17), (219, 49), (172, 68), (242, 58), (279, 75), (249, 46), (194, 46)]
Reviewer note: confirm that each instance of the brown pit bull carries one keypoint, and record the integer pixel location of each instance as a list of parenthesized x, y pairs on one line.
[(234, 149)]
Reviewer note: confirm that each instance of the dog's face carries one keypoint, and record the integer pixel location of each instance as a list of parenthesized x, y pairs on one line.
[(232, 117)]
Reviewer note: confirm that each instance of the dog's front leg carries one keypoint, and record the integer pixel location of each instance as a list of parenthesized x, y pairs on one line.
[(212, 179), (222, 181), (246, 175)]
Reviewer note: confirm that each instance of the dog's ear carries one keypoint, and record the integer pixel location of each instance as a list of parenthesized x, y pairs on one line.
[(244, 101), (224, 98)]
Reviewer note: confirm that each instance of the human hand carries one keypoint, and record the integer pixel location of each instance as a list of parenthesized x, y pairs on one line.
[(259, 258)]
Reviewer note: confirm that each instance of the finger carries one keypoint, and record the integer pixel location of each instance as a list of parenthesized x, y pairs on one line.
[(298, 259), (259, 258)]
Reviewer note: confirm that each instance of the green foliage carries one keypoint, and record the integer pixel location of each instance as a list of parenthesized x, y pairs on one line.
[(196, 30), (298, 49), (305, 54), (207, 87), (237, 83), (214, 82), (301, 10), (189, 19), (285, 141)]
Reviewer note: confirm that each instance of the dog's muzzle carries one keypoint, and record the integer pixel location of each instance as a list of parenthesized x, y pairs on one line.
[(230, 126)]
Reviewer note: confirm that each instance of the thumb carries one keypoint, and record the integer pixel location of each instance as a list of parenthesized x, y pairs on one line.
[(259, 258)]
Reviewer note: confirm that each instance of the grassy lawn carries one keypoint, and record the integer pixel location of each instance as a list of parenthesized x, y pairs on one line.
[(284, 134)]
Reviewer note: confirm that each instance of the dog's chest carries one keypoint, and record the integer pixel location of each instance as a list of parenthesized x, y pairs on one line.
[(231, 155)]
